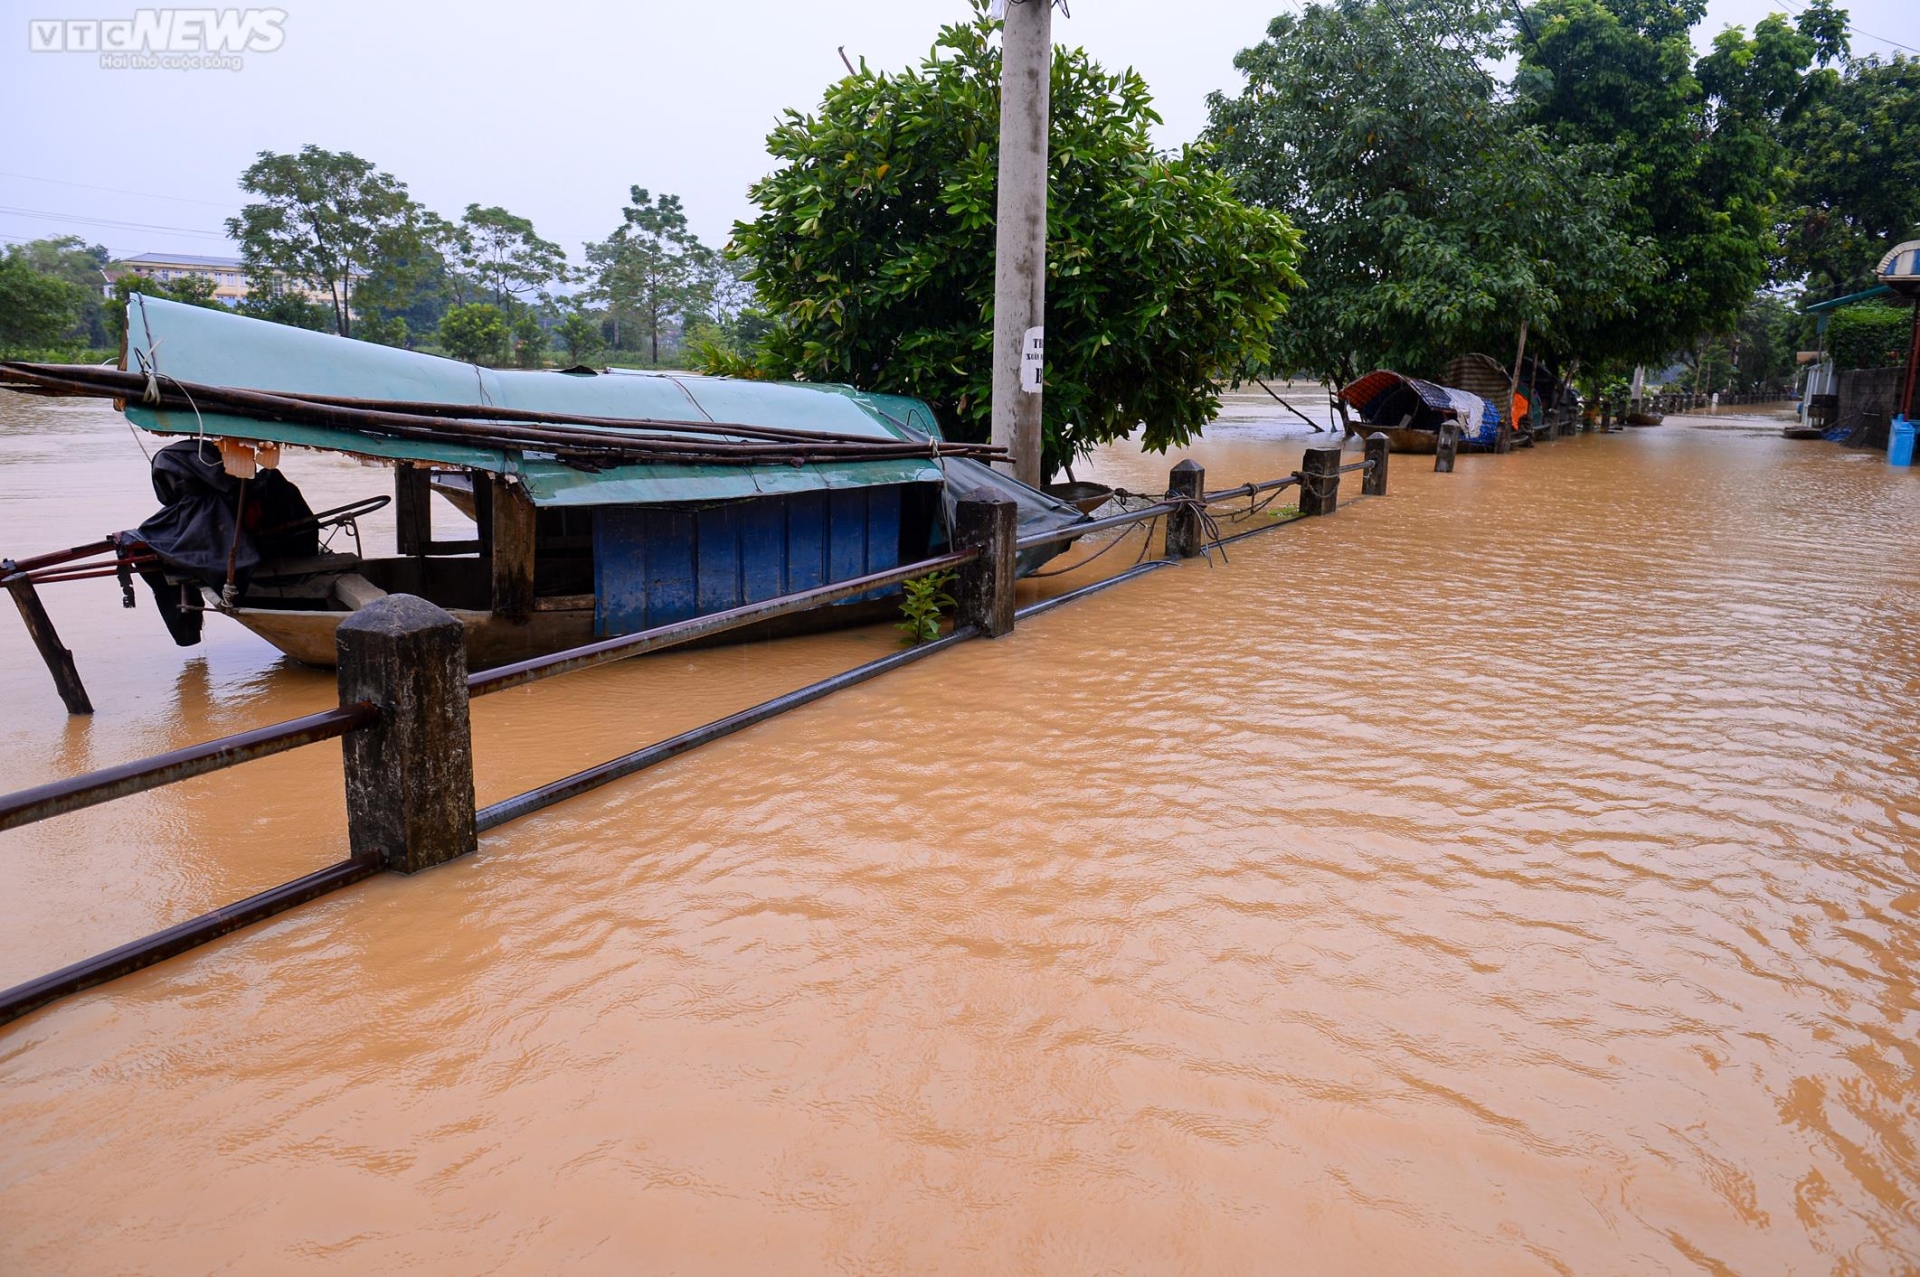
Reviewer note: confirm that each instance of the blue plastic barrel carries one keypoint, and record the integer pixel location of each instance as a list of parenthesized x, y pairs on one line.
[(1900, 443)]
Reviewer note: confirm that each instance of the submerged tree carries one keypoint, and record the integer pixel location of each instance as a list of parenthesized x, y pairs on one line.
[(874, 251), (1436, 221)]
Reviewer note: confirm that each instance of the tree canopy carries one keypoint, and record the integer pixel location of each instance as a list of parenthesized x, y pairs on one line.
[(652, 269), (503, 255), (330, 221), (1436, 220), (874, 251), (1696, 141), (1853, 159)]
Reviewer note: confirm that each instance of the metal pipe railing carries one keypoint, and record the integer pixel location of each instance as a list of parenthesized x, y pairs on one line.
[(496, 814), (161, 945), (91, 788), (1074, 531), (502, 677)]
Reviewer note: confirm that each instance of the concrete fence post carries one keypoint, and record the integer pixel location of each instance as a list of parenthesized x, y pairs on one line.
[(409, 776), (1448, 444), (1186, 535), (1374, 482), (985, 590), (1320, 481)]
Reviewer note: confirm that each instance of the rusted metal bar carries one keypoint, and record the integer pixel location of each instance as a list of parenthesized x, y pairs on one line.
[(503, 677), (1105, 583), (496, 814), (66, 675), (58, 797), (1251, 489), (1075, 530), (1265, 527), (59, 556), (161, 945)]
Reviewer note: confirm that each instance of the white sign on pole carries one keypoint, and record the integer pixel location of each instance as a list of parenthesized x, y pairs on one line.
[(1033, 360)]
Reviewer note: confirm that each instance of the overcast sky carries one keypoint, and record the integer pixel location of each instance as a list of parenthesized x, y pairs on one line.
[(552, 110)]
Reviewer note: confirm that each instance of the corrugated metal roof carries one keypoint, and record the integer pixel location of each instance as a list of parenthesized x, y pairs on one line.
[(211, 347)]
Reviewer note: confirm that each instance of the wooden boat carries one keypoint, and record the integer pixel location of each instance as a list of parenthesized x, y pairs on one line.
[(1410, 412), (783, 487), (1804, 432)]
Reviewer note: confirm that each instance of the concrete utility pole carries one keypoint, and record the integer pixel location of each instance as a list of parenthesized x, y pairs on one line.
[(1020, 233)]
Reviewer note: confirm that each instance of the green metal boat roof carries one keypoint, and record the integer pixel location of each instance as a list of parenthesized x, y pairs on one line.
[(215, 347)]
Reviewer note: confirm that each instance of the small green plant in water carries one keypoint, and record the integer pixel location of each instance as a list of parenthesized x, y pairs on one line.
[(927, 597), (1286, 512)]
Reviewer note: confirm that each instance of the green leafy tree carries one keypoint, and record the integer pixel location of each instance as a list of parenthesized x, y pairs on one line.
[(653, 269), (333, 222), (529, 340), (191, 290), (1435, 220), (36, 309), (1854, 156), (874, 251), (270, 299), (382, 330), (70, 258), (579, 335), (477, 333), (1697, 142), (508, 262)]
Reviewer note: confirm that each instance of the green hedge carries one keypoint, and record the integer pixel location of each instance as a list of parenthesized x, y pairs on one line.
[(1871, 335)]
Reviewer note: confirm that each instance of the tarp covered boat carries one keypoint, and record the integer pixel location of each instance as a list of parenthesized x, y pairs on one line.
[(572, 540), (1410, 411)]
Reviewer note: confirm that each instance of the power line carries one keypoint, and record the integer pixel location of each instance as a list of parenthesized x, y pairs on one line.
[(115, 190), (1853, 30), (108, 223)]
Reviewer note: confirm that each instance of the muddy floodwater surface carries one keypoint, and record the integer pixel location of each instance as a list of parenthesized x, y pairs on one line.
[(1518, 873)]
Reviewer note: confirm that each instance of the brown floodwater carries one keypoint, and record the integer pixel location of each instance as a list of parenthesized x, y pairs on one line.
[(1518, 873)]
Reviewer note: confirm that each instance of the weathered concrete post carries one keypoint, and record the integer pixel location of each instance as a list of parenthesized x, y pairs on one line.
[(1320, 481), (1186, 535), (409, 776), (985, 589), (1443, 451), (1503, 438), (1374, 482)]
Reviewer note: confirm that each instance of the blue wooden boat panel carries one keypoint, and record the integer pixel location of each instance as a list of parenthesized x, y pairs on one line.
[(806, 541), (657, 564), (763, 550)]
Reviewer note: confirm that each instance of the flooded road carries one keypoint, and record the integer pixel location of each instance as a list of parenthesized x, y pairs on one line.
[(1518, 873)]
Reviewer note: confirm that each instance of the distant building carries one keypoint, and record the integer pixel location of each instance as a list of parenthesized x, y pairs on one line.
[(229, 274)]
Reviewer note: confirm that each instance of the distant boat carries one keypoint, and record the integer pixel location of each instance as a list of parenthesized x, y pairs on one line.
[(787, 486), (1410, 412)]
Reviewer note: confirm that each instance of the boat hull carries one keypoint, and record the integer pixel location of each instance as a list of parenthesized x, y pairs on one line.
[(309, 636), (1401, 438)]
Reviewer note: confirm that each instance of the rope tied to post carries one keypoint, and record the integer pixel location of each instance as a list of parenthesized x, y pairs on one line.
[(1210, 537)]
